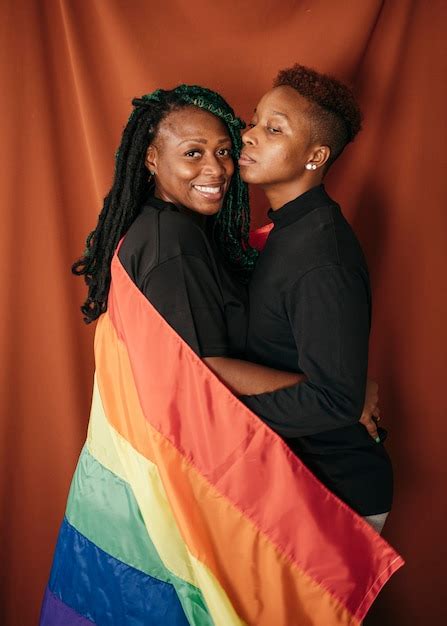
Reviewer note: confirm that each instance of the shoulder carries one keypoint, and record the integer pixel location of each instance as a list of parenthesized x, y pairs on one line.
[(349, 249), (157, 236), (180, 235), (327, 221), (330, 239), (139, 248)]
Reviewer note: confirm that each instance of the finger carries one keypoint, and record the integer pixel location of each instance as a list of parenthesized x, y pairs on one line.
[(370, 426), (368, 411), (373, 432)]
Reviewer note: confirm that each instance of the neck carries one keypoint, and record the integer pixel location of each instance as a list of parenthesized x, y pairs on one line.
[(196, 217), (279, 194)]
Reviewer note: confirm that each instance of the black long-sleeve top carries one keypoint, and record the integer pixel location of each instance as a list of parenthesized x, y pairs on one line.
[(310, 312), (169, 257), (171, 260)]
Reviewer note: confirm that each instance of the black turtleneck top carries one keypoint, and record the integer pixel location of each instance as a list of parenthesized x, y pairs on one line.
[(310, 312)]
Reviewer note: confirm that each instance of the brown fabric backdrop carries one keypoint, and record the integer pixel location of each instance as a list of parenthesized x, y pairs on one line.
[(69, 71)]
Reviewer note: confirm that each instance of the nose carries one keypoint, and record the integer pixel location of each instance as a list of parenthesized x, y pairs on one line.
[(214, 166), (249, 137)]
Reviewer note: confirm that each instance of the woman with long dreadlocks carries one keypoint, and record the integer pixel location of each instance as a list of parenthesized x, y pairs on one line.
[(182, 215), (171, 245), (176, 160)]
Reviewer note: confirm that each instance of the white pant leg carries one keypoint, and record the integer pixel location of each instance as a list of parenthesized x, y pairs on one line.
[(376, 521)]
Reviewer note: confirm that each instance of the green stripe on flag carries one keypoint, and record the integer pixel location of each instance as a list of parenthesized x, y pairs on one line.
[(103, 508)]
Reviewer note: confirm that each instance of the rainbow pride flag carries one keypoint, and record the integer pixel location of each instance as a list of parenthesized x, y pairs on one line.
[(185, 508)]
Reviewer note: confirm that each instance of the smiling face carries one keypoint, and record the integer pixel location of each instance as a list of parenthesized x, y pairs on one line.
[(191, 158), (278, 145)]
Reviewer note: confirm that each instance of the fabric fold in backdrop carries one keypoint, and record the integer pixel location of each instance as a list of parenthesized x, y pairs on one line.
[(185, 508)]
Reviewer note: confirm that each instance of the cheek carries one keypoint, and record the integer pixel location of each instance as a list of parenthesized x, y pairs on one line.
[(178, 172), (280, 158), (299, 150), (278, 163)]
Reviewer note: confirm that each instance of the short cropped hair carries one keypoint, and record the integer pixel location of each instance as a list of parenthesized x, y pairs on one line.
[(334, 113)]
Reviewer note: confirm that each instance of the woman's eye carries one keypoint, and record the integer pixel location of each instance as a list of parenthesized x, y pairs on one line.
[(251, 125), (225, 152), (193, 153), (273, 130)]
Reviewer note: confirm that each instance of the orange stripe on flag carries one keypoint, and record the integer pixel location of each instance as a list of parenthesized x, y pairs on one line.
[(248, 465), (264, 586)]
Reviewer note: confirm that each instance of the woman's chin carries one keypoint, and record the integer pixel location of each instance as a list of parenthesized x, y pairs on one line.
[(210, 208), (248, 175), (206, 208)]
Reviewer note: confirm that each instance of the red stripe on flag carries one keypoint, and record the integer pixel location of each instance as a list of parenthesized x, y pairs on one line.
[(246, 461)]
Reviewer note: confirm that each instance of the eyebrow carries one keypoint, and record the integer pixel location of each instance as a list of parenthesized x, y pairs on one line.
[(277, 113), (202, 140)]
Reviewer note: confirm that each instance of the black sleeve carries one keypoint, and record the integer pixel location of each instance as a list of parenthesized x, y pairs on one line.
[(329, 311), (185, 291)]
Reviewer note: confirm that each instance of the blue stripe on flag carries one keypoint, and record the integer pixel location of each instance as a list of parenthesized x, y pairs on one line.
[(106, 590)]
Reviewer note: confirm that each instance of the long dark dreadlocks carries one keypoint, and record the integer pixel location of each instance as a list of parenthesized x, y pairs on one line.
[(131, 188)]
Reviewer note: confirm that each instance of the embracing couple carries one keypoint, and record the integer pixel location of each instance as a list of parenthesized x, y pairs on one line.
[(285, 329)]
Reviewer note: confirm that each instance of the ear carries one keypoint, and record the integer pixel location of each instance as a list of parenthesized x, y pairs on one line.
[(319, 157), (151, 161)]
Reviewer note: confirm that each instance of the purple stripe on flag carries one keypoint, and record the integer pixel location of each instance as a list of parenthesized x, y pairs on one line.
[(55, 613)]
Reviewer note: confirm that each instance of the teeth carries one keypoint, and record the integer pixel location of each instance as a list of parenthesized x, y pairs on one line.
[(207, 189)]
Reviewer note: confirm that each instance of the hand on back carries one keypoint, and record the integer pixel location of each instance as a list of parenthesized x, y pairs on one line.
[(371, 411)]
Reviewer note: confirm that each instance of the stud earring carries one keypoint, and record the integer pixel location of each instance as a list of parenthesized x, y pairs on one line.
[(311, 166), (151, 172)]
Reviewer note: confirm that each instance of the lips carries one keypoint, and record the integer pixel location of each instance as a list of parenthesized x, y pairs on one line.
[(246, 159), (211, 191)]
